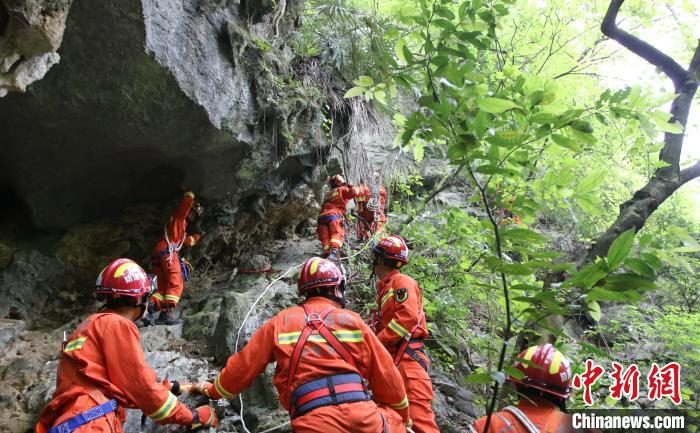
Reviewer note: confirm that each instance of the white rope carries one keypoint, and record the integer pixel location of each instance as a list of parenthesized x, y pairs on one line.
[(247, 316), (238, 335), (276, 427)]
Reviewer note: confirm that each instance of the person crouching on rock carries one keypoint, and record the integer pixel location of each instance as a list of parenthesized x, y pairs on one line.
[(172, 271), (329, 363), (102, 369)]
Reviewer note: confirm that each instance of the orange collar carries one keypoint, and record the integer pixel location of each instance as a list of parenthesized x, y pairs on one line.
[(321, 301)]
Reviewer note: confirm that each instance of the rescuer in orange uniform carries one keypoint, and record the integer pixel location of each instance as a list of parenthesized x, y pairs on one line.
[(330, 229), (370, 210), (544, 391), (403, 328), (328, 361), (172, 271), (102, 369)]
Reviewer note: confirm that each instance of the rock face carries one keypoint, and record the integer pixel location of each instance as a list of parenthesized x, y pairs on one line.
[(150, 95), (30, 34)]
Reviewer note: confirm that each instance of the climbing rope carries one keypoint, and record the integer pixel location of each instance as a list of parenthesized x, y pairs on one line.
[(250, 311), (240, 329)]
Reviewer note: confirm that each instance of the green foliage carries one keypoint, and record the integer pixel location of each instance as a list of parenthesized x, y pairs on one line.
[(509, 95)]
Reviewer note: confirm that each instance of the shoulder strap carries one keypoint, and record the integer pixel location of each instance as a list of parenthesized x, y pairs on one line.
[(520, 416), (407, 339), (316, 322)]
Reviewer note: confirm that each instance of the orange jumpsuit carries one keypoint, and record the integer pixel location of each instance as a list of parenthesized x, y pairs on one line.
[(400, 305), (330, 223), (103, 360), (165, 256), (373, 221), (540, 412), (275, 341)]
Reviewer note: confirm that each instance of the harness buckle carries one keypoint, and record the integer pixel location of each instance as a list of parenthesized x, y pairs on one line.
[(313, 317)]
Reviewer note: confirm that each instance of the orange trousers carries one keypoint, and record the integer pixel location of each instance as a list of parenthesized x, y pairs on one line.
[(170, 283), (331, 234), (358, 417), (419, 388), (105, 424)]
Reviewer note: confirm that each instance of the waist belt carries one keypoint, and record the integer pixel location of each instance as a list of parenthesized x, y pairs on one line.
[(327, 391), (155, 261), (325, 219), (414, 346), (85, 417)]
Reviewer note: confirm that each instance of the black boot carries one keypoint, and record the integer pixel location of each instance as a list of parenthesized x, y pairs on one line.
[(333, 255), (167, 317)]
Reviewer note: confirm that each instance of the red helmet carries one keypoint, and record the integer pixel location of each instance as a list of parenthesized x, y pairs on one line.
[(337, 180), (318, 272), (393, 248), (547, 371), (123, 277)]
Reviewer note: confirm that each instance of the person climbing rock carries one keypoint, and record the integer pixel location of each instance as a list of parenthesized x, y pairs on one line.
[(102, 369), (171, 269), (330, 228), (370, 212), (331, 369), (544, 390), (403, 328)]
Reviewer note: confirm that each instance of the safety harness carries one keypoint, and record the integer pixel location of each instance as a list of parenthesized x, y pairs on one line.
[(330, 390), (104, 407), (411, 346), (552, 423), (172, 247), (325, 219)]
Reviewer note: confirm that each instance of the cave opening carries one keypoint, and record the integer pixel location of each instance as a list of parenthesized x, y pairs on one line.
[(4, 19), (15, 214)]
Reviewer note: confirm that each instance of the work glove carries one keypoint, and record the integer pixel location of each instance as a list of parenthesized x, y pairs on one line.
[(204, 388), (204, 416), (178, 388)]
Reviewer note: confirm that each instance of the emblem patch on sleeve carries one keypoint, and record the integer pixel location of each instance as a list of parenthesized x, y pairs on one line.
[(401, 295)]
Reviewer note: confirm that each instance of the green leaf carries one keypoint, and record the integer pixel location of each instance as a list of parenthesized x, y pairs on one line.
[(456, 151), (582, 126), (496, 105), (524, 235), (513, 372), (620, 249), (445, 12), (593, 308), (478, 378), (591, 182), (445, 24), (516, 269), (418, 150), (640, 266), (652, 260), (492, 169), (398, 49), (628, 281), (565, 142), (355, 91), (364, 81), (671, 128)]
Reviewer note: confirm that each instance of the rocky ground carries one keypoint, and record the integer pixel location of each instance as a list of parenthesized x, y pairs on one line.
[(214, 306)]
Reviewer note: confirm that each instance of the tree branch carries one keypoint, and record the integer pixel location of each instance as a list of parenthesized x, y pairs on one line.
[(670, 67), (690, 173), (666, 180)]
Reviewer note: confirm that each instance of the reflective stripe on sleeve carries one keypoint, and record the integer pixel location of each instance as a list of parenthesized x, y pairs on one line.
[(172, 298), (157, 296), (166, 409), (403, 404), (75, 344), (400, 330), (386, 297), (221, 390)]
